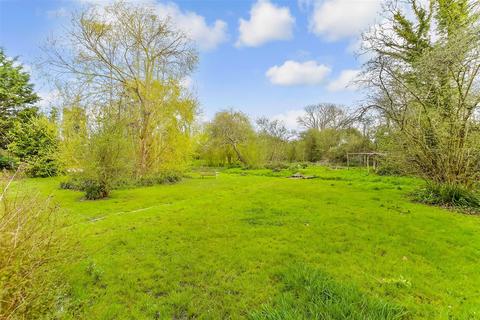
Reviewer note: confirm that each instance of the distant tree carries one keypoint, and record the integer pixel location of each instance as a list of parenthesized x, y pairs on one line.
[(231, 130), (274, 136), (16, 93), (273, 128), (332, 145), (324, 115), (311, 151), (74, 135)]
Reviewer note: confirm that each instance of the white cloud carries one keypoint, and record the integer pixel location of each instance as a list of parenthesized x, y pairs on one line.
[(268, 22), (27, 68), (194, 25), (186, 82), (47, 98), (17, 63), (57, 13), (289, 118), (102, 2), (345, 81), (335, 19), (292, 73)]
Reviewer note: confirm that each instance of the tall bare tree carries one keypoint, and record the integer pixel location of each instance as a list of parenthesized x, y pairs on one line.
[(275, 136), (324, 115)]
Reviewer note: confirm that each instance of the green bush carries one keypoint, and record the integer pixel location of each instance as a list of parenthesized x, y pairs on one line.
[(449, 195), (73, 183), (277, 166), (34, 141), (8, 163), (389, 169), (95, 190), (42, 167), (167, 177)]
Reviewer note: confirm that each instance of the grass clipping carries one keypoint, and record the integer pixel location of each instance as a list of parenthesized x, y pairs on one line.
[(29, 247)]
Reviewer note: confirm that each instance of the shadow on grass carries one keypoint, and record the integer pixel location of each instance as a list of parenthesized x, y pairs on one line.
[(310, 294)]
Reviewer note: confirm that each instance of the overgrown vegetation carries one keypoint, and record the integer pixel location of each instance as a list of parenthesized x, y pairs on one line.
[(424, 76), (450, 196), (30, 249)]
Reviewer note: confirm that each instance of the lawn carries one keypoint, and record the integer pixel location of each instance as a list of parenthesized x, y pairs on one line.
[(254, 244)]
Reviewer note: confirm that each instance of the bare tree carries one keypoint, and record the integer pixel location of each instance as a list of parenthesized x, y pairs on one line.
[(324, 115), (273, 128), (275, 136)]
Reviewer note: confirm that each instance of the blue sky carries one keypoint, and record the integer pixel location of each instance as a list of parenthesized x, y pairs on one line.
[(263, 57)]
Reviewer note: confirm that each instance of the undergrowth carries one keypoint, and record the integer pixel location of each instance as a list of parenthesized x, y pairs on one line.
[(448, 195), (31, 249)]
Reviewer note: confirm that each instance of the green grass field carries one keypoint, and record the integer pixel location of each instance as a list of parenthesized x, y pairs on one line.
[(254, 244)]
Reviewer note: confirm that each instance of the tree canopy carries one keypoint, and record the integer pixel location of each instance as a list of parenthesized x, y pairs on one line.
[(16, 93)]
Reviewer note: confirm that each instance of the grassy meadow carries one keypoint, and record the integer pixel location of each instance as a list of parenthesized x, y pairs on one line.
[(254, 244)]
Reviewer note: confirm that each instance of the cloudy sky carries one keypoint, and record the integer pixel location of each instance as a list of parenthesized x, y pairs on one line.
[(263, 57)]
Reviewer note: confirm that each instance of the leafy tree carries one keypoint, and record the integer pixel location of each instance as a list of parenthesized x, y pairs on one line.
[(425, 82), (231, 131), (166, 130), (106, 157), (16, 93), (34, 141), (127, 55), (332, 145), (74, 136), (310, 145)]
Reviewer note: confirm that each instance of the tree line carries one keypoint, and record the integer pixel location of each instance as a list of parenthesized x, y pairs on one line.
[(328, 133)]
